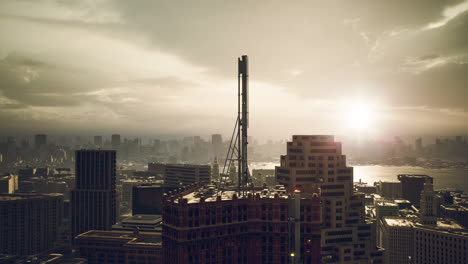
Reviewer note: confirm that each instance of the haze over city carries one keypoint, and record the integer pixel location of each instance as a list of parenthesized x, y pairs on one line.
[(364, 68)]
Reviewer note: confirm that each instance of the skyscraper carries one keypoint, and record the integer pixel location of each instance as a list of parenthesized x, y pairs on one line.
[(93, 205), (29, 222), (412, 185), (98, 141), (217, 142), (316, 164), (40, 140), (115, 141)]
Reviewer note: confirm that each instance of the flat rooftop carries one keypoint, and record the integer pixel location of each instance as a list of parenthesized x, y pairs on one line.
[(145, 219), (26, 196), (141, 237), (210, 194), (398, 222)]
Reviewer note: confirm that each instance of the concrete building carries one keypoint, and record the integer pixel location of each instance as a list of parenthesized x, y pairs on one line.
[(263, 176), (315, 163), (397, 238), (429, 205), (389, 190), (217, 143), (29, 222), (40, 140), (458, 213), (93, 201), (176, 175), (215, 169), (98, 141), (123, 247), (115, 141), (143, 223), (147, 199), (412, 186), (443, 243), (205, 225), (8, 183)]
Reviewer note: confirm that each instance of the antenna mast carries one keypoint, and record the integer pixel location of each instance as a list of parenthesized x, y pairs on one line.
[(238, 146)]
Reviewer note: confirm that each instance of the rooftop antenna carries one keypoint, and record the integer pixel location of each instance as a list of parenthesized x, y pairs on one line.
[(238, 146)]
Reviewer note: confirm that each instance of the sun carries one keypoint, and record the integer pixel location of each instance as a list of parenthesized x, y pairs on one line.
[(360, 116)]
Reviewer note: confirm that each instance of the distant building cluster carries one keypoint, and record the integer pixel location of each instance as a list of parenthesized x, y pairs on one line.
[(306, 210), (416, 224)]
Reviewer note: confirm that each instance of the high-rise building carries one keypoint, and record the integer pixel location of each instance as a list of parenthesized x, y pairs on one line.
[(217, 143), (147, 199), (8, 183), (398, 240), (176, 175), (389, 189), (40, 140), (418, 145), (428, 210), (444, 243), (215, 169), (29, 222), (124, 247), (115, 141), (412, 185), (316, 164), (93, 201), (208, 225), (98, 141)]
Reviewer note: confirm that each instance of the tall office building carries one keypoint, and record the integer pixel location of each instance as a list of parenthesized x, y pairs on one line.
[(389, 189), (93, 205), (208, 225), (8, 183), (428, 210), (412, 185), (29, 222), (217, 142), (147, 199), (444, 243), (316, 164), (115, 141), (215, 169), (98, 141), (398, 240), (176, 175), (40, 140)]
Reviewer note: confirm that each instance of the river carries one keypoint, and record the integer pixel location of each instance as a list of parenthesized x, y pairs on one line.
[(452, 178)]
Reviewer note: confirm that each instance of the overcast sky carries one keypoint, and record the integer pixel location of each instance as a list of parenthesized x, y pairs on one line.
[(169, 67)]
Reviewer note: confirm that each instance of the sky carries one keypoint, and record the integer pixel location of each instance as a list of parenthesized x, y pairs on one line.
[(366, 67)]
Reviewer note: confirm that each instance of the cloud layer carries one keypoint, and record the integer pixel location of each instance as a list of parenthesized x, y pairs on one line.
[(168, 67)]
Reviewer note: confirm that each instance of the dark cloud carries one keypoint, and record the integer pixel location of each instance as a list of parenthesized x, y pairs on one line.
[(325, 50)]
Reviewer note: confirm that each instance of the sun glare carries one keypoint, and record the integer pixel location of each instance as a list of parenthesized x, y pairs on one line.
[(360, 116)]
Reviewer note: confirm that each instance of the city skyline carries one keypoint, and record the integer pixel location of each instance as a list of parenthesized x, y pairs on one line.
[(369, 69)]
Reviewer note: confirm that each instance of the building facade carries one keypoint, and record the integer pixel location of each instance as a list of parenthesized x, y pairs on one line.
[(123, 247), (389, 189), (412, 186), (316, 162), (30, 223), (265, 226), (442, 244), (397, 238), (93, 201), (176, 175)]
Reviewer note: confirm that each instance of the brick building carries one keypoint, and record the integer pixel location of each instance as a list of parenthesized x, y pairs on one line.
[(205, 225)]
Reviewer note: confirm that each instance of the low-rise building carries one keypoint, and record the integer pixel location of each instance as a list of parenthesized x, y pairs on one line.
[(123, 247)]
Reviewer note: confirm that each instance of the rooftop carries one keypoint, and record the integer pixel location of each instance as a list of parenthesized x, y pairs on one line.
[(210, 193), (27, 196), (398, 222), (131, 237)]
